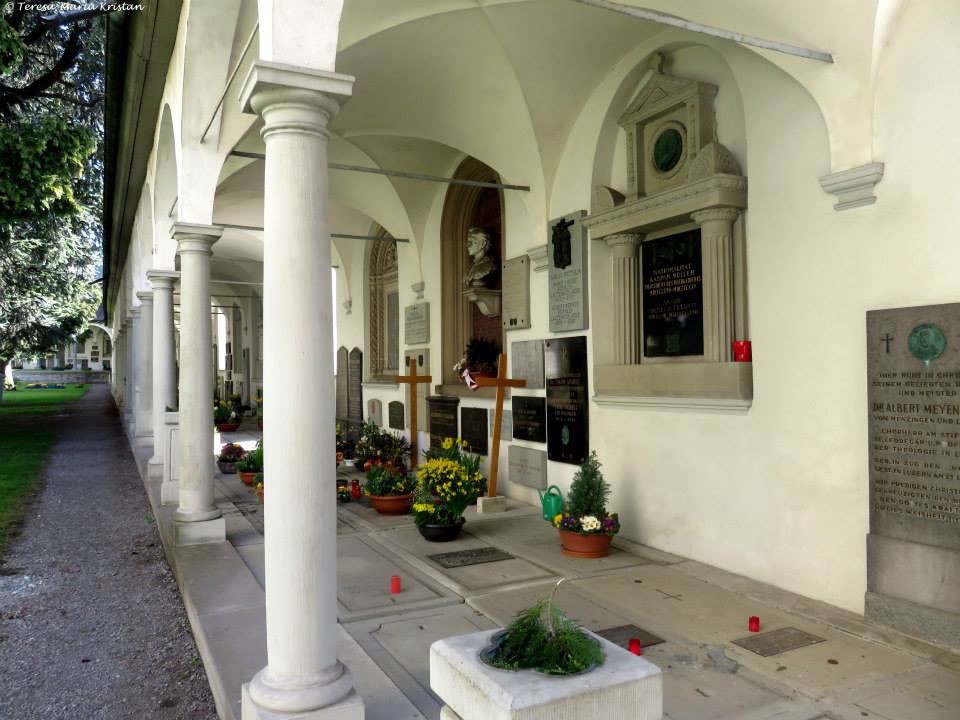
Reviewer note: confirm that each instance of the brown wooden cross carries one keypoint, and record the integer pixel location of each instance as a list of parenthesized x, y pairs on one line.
[(501, 382), (413, 380)]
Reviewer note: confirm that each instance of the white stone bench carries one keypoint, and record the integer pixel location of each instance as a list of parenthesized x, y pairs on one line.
[(625, 687)]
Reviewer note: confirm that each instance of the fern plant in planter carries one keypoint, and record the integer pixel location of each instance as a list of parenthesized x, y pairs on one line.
[(586, 529)]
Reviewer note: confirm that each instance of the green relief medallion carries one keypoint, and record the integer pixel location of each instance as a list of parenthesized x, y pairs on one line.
[(926, 342), (565, 435), (667, 150)]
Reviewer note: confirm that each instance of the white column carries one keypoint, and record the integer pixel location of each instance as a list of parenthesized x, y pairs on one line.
[(302, 674), (164, 360), (716, 247), (624, 256), (197, 519), (144, 374), (130, 398)]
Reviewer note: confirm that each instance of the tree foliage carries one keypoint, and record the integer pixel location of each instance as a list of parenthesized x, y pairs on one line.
[(51, 174), (589, 491)]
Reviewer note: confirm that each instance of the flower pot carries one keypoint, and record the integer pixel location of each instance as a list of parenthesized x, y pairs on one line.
[(592, 546), (227, 427), (248, 478), (441, 533), (227, 468), (391, 504)]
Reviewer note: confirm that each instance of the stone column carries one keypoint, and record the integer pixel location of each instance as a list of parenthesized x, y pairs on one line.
[(303, 674), (625, 260), (164, 361), (130, 362), (144, 374), (116, 358), (716, 244), (197, 519)]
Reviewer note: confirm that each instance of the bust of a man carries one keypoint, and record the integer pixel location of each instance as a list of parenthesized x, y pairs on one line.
[(482, 262)]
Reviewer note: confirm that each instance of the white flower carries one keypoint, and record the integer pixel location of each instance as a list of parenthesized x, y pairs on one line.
[(589, 523)]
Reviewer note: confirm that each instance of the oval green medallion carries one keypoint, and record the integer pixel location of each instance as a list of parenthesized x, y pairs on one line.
[(927, 342), (667, 150)]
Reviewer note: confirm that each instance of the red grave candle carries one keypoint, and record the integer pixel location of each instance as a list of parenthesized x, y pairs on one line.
[(355, 489), (754, 624), (634, 646), (742, 351), (394, 584)]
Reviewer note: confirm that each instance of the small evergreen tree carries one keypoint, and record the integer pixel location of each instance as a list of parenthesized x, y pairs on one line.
[(589, 491)]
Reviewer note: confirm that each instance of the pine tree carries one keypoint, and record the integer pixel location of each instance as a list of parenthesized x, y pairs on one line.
[(589, 491)]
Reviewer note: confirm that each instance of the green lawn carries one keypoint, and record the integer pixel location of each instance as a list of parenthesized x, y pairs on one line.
[(25, 443)]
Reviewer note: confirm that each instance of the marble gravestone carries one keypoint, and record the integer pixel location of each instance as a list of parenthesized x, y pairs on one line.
[(516, 293), (342, 373), (913, 396), (567, 257), (526, 357), (506, 425), (473, 429), (355, 386), (673, 295), (375, 412), (443, 418), (396, 417), (528, 467), (568, 432), (530, 418), (416, 323)]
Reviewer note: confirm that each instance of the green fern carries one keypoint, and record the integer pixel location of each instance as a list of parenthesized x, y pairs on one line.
[(589, 491)]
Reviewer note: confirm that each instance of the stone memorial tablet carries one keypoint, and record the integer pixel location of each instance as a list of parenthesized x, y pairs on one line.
[(913, 394), (355, 385), (473, 429), (565, 362), (526, 357), (529, 418), (528, 466), (343, 371), (567, 255), (672, 295), (443, 418), (396, 415), (375, 412), (516, 293), (416, 323), (506, 425)]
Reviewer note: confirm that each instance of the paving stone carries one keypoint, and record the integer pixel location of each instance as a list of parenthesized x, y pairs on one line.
[(501, 607)]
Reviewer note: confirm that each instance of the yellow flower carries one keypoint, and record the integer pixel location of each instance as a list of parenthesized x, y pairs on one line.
[(447, 443), (557, 519)]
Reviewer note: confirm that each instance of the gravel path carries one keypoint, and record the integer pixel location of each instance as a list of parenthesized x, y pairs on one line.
[(91, 620)]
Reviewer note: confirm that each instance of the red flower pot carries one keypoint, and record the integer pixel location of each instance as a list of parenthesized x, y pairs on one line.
[(391, 504), (248, 477), (592, 546)]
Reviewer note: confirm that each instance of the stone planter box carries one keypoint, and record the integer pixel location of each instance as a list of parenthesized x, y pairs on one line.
[(625, 687)]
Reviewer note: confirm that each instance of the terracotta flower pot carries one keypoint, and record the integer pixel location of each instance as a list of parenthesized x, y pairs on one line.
[(391, 504), (592, 546), (227, 468), (441, 533), (227, 427), (248, 478)]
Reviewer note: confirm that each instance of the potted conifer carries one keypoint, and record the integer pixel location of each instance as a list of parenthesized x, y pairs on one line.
[(251, 464), (586, 530)]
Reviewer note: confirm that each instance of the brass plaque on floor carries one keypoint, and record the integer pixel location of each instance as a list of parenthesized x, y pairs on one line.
[(778, 641), (621, 635), (477, 556)]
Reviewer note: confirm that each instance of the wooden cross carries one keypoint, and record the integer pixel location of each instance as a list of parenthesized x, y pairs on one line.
[(413, 380), (501, 382)]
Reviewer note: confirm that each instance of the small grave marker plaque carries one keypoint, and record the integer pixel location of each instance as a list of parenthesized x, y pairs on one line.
[(530, 418), (443, 418), (565, 360), (527, 359), (465, 558), (395, 415), (528, 466), (778, 641), (473, 429), (416, 323)]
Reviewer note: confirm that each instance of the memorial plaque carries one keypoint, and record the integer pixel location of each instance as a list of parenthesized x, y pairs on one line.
[(466, 558), (565, 362), (528, 466), (416, 323), (567, 255), (473, 429), (506, 425), (516, 293), (673, 295), (526, 359), (778, 641), (396, 415), (443, 418), (622, 634), (529, 418), (375, 412), (355, 385), (913, 394), (342, 372)]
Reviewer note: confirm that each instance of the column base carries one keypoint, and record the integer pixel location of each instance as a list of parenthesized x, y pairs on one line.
[(143, 439), (199, 533), (350, 708), (447, 714), (155, 468), (170, 492), (488, 505)]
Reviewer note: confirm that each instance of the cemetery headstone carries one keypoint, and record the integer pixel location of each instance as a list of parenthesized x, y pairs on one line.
[(375, 412), (527, 359), (913, 366), (528, 467), (416, 323), (396, 416), (342, 372), (673, 295), (443, 418), (565, 361), (355, 386), (567, 255), (473, 429), (516, 293), (530, 418)]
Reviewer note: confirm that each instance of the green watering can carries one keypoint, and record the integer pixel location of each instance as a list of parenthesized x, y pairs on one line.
[(552, 502)]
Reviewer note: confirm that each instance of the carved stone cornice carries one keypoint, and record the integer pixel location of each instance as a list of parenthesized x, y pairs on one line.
[(853, 187), (726, 214), (623, 239)]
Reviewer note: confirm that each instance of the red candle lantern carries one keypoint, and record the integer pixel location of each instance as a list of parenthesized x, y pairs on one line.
[(754, 624), (395, 584), (742, 351), (355, 489), (634, 646)]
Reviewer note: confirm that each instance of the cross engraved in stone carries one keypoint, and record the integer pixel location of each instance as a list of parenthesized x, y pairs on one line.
[(668, 596), (888, 338)]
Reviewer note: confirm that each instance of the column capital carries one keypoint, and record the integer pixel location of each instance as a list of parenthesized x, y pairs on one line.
[(268, 83), (146, 297), (621, 239), (194, 237), (725, 214), (133, 312), (162, 279)]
